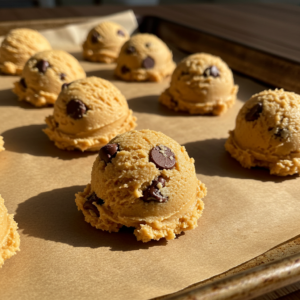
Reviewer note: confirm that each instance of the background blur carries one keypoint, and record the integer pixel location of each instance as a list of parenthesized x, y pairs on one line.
[(53, 3)]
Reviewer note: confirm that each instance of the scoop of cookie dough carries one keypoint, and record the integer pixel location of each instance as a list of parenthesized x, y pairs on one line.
[(104, 42), (44, 74), (1, 144), (144, 57), (9, 237), (146, 180), (201, 84), (267, 133), (17, 47), (87, 114)]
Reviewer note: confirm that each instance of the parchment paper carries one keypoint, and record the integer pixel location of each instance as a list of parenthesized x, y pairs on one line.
[(247, 212)]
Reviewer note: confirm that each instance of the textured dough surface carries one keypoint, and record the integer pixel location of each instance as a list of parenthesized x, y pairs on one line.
[(1, 144), (17, 47), (121, 184), (145, 46), (195, 93), (108, 115), (104, 42), (41, 88), (9, 237), (272, 140)]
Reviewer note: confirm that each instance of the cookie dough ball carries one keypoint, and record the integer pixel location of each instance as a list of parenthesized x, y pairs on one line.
[(144, 58), (104, 42), (1, 144), (9, 237), (267, 133), (146, 180), (17, 47), (87, 114), (201, 84), (44, 74)]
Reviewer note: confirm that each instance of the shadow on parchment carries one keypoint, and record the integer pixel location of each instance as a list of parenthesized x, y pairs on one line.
[(212, 159), (77, 55), (8, 98), (32, 140), (103, 73), (53, 215), (149, 104)]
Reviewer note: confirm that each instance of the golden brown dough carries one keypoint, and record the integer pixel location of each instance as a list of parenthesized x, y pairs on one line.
[(87, 114), (104, 42), (17, 47), (201, 84), (144, 57), (146, 180), (267, 133)]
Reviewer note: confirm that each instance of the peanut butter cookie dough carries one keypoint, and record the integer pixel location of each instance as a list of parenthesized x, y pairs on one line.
[(17, 47), (267, 133), (44, 74), (201, 84), (1, 144), (87, 114), (104, 42), (144, 57), (146, 180), (9, 237)]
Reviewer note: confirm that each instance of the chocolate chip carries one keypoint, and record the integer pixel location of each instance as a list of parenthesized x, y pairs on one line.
[(125, 70), (42, 66), (23, 83), (76, 109), (254, 113), (94, 198), (130, 50), (282, 133), (95, 36), (62, 76), (152, 193), (65, 86), (88, 204), (148, 45), (183, 73), (148, 63), (162, 157), (120, 32), (211, 71), (108, 152)]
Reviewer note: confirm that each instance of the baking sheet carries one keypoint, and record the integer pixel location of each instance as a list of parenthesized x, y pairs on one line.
[(247, 212)]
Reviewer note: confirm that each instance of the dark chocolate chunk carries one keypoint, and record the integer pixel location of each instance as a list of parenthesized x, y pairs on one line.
[(88, 204), (183, 73), (108, 152), (125, 70), (42, 66), (152, 193), (254, 113), (162, 157), (211, 71), (130, 50), (148, 45), (62, 76), (23, 83), (120, 32), (94, 198), (65, 86), (148, 63), (282, 133), (95, 36), (76, 109)]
